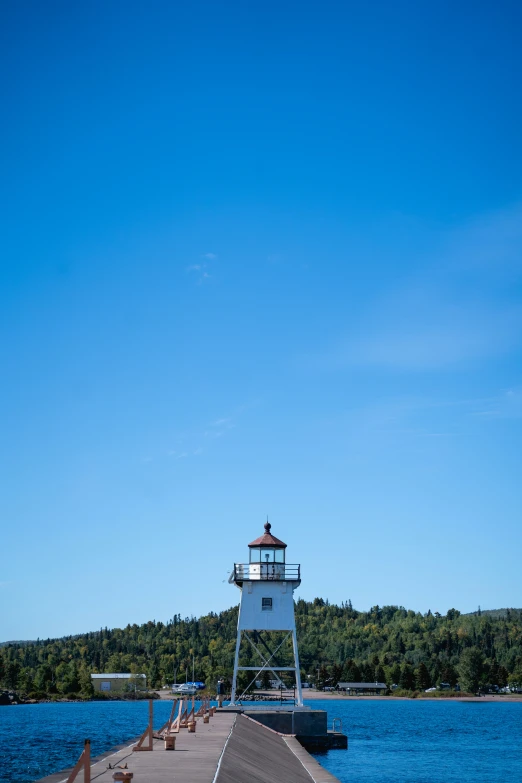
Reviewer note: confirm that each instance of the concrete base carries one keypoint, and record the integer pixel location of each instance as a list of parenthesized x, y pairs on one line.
[(307, 725), (240, 708), (333, 740)]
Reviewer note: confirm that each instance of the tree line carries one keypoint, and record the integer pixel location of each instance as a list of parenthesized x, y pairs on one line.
[(336, 644)]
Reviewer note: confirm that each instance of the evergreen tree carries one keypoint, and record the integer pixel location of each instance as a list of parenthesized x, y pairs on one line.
[(494, 674), (356, 674), (407, 678), (86, 687), (449, 675), (336, 674), (395, 674), (503, 675), (470, 669), (422, 677), (12, 672), (153, 678), (366, 672)]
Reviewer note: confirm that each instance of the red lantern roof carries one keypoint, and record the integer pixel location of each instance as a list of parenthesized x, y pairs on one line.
[(267, 539)]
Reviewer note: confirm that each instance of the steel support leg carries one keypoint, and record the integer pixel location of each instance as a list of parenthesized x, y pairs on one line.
[(236, 662), (297, 670)]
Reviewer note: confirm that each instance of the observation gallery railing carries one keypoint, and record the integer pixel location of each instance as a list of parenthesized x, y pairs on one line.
[(270, 572)]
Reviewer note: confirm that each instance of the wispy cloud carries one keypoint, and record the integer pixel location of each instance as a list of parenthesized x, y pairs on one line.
[(196, 442), (222, 422), (457, 309), (218, 428), (506, 405), (416, 418), (202, 271), (492, 242), (440, 337), (190, 452)]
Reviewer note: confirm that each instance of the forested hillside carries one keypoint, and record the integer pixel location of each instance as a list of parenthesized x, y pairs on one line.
[(336, 643)]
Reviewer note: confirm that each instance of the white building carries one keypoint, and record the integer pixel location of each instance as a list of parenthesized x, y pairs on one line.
[(109, 683)]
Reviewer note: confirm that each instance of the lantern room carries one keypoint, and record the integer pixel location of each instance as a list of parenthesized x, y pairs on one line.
[(267, 561), (267, 548)]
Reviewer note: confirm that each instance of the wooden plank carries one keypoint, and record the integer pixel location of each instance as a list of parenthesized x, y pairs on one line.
[(195, 759)]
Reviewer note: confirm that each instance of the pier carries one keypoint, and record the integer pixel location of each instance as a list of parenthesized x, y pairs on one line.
[(236, 743), (230, 748)]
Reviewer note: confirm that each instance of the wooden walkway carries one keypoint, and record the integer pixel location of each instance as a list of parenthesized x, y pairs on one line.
[(195, 759)]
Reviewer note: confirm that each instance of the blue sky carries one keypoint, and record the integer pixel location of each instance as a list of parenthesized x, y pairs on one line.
[(258, 259)]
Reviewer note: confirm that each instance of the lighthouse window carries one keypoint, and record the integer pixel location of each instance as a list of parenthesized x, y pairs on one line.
[(267, 555), (266, 604)]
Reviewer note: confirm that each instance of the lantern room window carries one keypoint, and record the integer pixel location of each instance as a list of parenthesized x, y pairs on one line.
[(266, 555)]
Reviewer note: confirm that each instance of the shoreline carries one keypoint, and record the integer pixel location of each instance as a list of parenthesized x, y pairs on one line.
[(307, 696), (329, 696)]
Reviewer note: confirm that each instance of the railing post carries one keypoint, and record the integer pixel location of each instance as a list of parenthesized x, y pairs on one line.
[(150, 721), (87, 767), (147, 733), (85, 762)]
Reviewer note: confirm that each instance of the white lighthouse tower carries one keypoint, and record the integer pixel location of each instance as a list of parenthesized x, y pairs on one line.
[(267, 585)]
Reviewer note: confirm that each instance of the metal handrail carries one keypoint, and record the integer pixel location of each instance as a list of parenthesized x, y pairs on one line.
[(270, 572)]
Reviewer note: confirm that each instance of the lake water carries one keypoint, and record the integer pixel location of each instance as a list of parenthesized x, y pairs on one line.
[(399, 741), (426, 741)]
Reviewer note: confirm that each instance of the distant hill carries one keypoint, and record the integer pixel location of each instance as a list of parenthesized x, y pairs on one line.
[(19, 642), (336, 643), (491, 612)]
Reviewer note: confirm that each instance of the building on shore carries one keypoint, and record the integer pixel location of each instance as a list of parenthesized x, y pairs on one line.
[(116, 683)]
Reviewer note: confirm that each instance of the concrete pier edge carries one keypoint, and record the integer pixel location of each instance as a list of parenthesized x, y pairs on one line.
[(316, 771)]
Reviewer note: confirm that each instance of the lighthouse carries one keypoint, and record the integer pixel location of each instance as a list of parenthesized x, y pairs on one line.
[(267, 583)]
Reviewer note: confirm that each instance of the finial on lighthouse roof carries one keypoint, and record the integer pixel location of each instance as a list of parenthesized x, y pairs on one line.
[(267, 539)]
